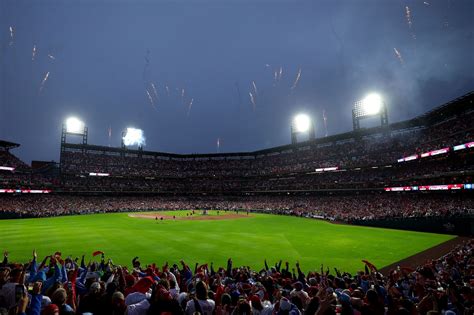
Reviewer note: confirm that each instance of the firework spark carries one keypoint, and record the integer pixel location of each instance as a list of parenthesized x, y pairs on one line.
[(182, 95), (254, 88), (11, 36), (33, 54), (150, 98), (43, 82), (154, 90), (426, 3), (252, 99), (280, 73), (51, 57), (167, 90), (298, 76), (408, 16), (325, 122), (110, 134), (218, 144), (189, 106), (275, 77), (399, 56)]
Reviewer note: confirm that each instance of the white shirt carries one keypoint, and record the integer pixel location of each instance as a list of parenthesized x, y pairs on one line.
[(140, 308), (207, 307)]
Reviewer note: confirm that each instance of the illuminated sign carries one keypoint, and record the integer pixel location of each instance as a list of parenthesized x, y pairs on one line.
[(408, 158), (435, 152)]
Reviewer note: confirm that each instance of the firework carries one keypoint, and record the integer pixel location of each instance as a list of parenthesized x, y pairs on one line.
[(218, 144), (280, 73), (426, 3), (110, 134), (275, 77), (298, 76), (325, 122), (189, 106), (399, 56), (154, 90), (182, 95), (43, 82), (408, 16), (167, 90), (51, 57), (254, 88), (252, 99), (150, 98), (267, 65), (33, 54), (11, 36)]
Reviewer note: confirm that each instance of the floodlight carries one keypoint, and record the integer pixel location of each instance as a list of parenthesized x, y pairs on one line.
[(372, 104), (133, 136), (302, 123), (74, 125)]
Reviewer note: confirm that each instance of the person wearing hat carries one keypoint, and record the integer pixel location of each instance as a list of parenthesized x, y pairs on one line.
[(51, 309), (200, 303)]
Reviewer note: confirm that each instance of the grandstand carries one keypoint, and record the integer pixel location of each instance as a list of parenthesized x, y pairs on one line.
[(431, 153), (373, 158), (415, 175)]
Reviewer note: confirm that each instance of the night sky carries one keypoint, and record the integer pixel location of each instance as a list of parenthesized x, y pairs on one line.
[(108, 53)]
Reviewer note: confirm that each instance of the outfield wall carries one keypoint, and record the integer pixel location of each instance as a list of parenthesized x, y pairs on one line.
[(459, 225)]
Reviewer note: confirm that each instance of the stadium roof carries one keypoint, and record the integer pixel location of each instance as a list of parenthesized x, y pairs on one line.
[(8, 145)]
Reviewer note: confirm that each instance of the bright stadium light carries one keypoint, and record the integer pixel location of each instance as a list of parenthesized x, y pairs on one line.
[(74, 125), (302, 123), (372, 104), (134, 136)]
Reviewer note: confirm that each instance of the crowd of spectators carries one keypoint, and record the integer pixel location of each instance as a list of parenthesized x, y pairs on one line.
[(67, 286), (290, 169), (10, 160), (458, 169), (379, 149), (363, 162), (334, 207)]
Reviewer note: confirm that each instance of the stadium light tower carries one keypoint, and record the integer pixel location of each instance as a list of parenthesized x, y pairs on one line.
[(372, 105), (133, 136), (301, 124), (74, 127)]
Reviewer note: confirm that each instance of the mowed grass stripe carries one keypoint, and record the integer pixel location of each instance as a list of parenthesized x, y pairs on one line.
[(247, 240)]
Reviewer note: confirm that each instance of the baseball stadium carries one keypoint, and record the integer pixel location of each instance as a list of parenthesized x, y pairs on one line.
[(236, 157), (382, 198)]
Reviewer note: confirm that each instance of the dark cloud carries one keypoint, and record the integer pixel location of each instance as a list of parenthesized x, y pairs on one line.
[(344, 48)]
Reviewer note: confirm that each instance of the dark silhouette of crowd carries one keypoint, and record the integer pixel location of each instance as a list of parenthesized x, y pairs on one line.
[(68, 286)]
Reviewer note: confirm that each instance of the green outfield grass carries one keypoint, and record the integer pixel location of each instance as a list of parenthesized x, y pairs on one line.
[(247, 240)]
